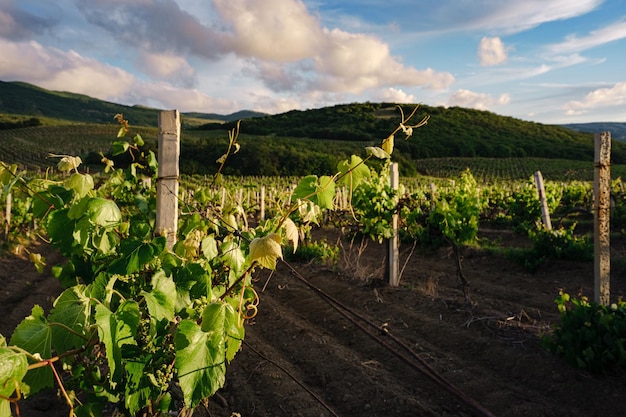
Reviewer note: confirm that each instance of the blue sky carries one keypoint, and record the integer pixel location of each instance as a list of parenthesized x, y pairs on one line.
[(549, 61)]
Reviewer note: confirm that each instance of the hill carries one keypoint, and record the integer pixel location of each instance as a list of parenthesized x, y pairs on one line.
[(35, 122), (618, 130), (23, 99), (450, 132)]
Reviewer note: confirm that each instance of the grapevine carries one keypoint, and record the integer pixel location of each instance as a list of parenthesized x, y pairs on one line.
[(148, 329)]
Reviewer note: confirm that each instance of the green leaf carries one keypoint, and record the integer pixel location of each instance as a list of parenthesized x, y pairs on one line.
[(103, 212), (266, 250), (69, 163), (387, 145), (120, 147), (138, 140), (232, 255), (209, 247), (200, 361), (13, 368), (80, 183), (353, 172), (321, 190), (162, 299), (34, 335), (116, 330), (137, 392), (222, 317), (377, 152), (72, 309)]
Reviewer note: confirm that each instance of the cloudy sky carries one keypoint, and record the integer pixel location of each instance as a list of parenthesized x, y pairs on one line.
[(549, 61)]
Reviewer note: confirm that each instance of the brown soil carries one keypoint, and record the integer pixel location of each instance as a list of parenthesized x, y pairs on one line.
[(301, 357)]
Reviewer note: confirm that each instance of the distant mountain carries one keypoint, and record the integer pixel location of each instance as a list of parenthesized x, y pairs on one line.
[(21, 98), (618, 130)]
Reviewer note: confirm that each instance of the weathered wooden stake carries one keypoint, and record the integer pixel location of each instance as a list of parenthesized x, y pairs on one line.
[(393, 268), (262, 204), (541, 193), (167, 184), (7, 214), (602, 215)]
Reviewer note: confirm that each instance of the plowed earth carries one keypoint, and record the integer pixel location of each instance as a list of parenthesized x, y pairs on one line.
[(301, 357)]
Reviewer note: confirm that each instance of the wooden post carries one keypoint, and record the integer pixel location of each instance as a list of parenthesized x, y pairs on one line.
[(7, 214), (167, 184), (602, 215), (393, 261), (541, 193), (262, 204)]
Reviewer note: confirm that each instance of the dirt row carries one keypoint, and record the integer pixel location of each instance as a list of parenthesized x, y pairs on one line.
[(303, 358)]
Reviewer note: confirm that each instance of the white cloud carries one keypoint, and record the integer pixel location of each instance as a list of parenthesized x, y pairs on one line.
[(602, 97), (275, 30), (480, 101), (491, 51), (356, 62), (393, 95), (59, 70), (513, 16), (574, 44), (168, 67)]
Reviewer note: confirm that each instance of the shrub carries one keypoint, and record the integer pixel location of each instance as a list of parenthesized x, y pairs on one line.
[(590, 336)]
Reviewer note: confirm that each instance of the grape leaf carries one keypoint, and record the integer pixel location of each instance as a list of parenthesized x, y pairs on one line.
[(266, 250), (13, 367), (387, 145), (377, 152), (291, 232), (72, 309), (80, 183), (103, 212), (200, 361), (320, 190), (34, 335), (353, 172), (162, 299), (116, 330)]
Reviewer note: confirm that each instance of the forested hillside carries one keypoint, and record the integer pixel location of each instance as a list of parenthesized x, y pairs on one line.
[(32, 102), (450, 132), (35, 122)]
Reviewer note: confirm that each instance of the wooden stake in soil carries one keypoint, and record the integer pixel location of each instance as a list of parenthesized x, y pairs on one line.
[(602, 215), (541, 193), (393, 258), (7, 215), (167, 184)]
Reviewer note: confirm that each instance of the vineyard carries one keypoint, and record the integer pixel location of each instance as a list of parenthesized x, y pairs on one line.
[(262, 304)]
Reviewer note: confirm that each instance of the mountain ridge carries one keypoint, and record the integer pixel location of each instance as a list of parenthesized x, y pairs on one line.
[(21, 98)]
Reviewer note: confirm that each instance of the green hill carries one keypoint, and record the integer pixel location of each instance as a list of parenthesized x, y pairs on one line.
[(24, 101), (35, 122), (450, 132)]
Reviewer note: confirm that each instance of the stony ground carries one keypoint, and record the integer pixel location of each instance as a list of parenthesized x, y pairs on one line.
[(303, 357)]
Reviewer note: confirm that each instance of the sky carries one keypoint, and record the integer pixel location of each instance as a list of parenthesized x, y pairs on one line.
[(548, 61)]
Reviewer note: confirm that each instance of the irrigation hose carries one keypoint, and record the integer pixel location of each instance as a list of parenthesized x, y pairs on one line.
[(413, 359)]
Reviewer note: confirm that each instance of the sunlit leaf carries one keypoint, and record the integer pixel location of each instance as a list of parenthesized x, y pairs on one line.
[(353, 172), (162, 298), (291, 233), (13, 368), (80, 183), (200, 361), (377, 152), (103, 212), (266, 250), (387, 144)]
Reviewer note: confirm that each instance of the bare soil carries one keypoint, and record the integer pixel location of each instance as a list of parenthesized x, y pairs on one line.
[(301, 357)]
